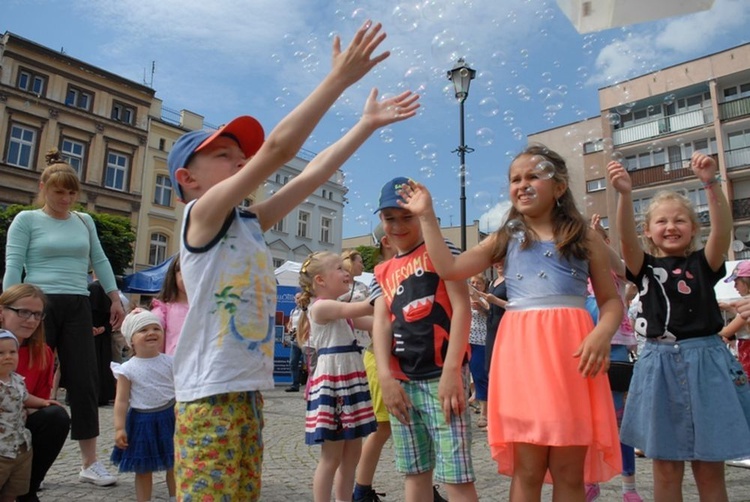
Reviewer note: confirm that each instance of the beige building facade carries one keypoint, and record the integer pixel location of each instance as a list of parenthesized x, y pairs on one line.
[(96, 119)]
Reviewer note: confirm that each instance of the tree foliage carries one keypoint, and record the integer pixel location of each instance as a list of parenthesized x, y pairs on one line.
[(115, 234), (370, 257)]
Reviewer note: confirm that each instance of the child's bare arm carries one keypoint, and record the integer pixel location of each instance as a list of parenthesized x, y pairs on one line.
[(122, 401), (630, 245), (330, 310), (448, 266), (376, 114), (283, 143), (733, 327), (450, 388), (394, 397), (594, 351), (720, 215), (37, 402)]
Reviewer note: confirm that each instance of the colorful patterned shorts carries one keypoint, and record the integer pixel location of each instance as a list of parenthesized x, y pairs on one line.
[(428, 443), (219, 448)]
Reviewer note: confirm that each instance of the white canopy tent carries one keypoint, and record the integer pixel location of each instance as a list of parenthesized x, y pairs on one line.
[(288, 274)]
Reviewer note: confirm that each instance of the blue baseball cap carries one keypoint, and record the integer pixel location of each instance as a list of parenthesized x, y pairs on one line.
[(389, 194), (4, 333), (245, 130)]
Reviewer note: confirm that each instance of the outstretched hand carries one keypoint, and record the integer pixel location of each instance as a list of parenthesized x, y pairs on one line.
[(619, 177), (390, 110), (357, 59), (703, 166), (417, 198)]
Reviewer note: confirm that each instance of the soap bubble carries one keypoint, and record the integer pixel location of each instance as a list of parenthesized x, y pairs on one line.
[(516, 229)]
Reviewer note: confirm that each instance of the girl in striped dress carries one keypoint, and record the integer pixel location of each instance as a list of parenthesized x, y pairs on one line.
[(339, 410)]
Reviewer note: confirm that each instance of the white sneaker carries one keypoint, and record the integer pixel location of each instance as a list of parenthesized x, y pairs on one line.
[(97, 474)]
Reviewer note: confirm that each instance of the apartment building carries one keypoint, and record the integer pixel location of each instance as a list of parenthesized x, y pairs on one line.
[(98, 121), (654, 123)]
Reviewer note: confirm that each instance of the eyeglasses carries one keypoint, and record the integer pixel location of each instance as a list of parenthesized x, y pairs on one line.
[(26, 314)]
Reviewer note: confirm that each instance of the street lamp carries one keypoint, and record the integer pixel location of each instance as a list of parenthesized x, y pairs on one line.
[(461, 76)]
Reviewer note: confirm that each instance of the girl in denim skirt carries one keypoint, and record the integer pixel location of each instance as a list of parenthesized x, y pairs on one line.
[(685, 381)]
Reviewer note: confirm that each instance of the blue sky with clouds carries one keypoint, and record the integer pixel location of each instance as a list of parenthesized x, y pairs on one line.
[(225, 58)]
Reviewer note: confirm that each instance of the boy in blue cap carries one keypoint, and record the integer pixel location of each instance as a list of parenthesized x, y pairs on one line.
[(421, 340), (224, 357)]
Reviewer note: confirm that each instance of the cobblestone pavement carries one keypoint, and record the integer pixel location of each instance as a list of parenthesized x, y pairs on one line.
[(289, 465)]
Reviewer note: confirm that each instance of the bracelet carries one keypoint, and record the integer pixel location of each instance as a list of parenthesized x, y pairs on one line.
[(708, 184)]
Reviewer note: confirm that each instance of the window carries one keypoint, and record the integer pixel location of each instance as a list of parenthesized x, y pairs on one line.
[(277, 262), (593, 146), (163, 190), (737, 92), (246, 203), (157, 251), (303, 223), (117, 170), (330, 195), (279, 225), (326, 227), (123, 113), (162, 144), (79, 98), (596, 185), (31, 82), (73, 152), (324, 193), (21, 146)]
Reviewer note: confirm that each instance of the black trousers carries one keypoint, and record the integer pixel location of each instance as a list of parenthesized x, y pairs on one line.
[(69, 329), (49, 427)]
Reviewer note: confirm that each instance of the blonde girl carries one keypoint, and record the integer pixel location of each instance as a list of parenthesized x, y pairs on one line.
[(339, 410), (686, 380), (564, 431)]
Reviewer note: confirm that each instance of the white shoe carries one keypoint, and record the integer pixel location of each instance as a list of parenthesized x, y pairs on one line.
[(97, 474)]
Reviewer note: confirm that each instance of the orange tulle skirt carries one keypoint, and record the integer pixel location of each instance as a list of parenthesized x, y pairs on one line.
[(537, 395)]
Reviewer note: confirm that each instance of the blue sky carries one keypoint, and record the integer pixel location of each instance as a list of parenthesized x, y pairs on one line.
[(226, 58)]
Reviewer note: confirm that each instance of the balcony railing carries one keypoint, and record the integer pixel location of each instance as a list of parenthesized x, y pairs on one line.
[(734, 109), (739, 158), (662, 125), (661, 174)]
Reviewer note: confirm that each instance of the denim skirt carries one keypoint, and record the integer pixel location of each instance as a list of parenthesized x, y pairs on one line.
[(688, 400)]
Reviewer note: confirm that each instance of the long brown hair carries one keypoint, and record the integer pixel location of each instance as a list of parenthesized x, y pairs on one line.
[(169, 291), (314, 265), (568, 224), (58, 173), (37, 342)]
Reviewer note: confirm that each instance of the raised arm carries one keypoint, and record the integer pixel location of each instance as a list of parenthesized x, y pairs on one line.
[(418, 200), (630, 245), (289, 135), (376, 114), (719, 212)]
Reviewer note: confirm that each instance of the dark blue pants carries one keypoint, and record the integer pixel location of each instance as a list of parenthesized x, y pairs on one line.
[(295, 357)]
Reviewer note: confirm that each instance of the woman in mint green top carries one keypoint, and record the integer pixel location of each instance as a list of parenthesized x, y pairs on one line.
[(54, 246)]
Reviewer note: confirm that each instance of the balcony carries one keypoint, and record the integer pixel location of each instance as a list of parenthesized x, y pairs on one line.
[(738, 158), (734, 109), (661, 126), (662, 174)]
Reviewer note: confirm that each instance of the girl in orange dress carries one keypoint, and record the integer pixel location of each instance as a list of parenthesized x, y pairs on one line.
[(550, 410)]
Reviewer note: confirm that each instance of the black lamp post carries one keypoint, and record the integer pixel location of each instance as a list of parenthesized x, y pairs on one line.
[(461, 76)]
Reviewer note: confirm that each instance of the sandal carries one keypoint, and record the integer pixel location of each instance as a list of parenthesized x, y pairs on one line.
[(482, 422)]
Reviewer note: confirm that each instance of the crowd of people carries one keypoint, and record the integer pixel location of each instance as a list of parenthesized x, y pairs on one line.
[(408, 357)]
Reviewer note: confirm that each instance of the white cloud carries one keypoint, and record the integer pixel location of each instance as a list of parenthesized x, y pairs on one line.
[(492, 219), (661, 43)]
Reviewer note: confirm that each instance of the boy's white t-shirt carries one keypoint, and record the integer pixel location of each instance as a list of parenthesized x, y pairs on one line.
[(227, 340)]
